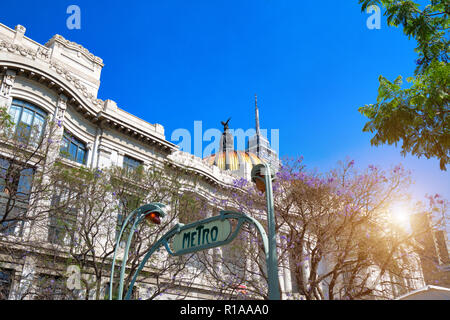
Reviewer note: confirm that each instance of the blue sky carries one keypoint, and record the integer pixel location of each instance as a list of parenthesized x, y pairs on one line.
[(311, 63)]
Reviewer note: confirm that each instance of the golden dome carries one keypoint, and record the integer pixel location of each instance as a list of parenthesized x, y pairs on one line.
[(233, 158)]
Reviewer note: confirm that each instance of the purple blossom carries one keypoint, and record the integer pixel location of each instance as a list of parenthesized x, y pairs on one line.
[(284, 175), (310, 183)]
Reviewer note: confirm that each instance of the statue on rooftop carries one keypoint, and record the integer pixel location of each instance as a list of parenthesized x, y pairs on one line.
[(225, 125)]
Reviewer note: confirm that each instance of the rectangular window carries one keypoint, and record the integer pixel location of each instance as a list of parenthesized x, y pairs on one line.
[(4, 165), (51, 288), (127, 204), (15, 189), (25, 183), (115, 292), (13, 226), (5, 283), (65, 143), (73, 149), (120, 220), (131, 164), (81, 155), (63, 217), (17, 185)]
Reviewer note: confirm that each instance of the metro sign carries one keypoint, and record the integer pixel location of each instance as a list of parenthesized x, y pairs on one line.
[(201, 235)]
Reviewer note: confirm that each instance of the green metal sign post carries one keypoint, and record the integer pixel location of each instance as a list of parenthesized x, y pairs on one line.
[(262, 176), (152, 211), (200, 235)]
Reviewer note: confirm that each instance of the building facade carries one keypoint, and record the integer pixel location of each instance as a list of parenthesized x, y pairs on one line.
[(59, 82), (433, 251)]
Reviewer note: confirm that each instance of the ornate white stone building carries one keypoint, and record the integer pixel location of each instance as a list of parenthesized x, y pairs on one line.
[(60, 80)]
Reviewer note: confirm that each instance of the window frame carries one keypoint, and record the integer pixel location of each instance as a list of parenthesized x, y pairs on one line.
[(35, 110), (4, 166), (130, 164), (71, 140), (24, 184), (51, 287), (18, 189), (61, 225), (9, 283)]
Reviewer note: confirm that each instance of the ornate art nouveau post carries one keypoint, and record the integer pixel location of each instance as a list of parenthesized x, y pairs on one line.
[(262, 176), (151, 212)]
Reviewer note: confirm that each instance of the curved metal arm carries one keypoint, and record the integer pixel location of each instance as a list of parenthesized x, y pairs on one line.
[(137, 214), (161, 241), (125, 254), (132, 214)]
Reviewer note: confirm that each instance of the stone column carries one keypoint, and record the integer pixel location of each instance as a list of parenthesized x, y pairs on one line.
[(120, 156), (25, 285), (280, 268), (285, 268), (57, 131), (90, 154), (104, 157), (94, 157), (36, 229)]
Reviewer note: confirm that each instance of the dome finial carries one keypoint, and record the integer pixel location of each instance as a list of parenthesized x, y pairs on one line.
[(256, 115)]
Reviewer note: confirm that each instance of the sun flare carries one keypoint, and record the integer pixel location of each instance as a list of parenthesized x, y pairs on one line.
[(400, 215)]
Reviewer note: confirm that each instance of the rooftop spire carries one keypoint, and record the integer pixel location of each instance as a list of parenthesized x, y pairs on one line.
[(257, 115)]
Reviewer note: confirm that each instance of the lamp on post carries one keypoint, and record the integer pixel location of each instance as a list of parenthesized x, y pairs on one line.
[(262, 177), (152, 214)]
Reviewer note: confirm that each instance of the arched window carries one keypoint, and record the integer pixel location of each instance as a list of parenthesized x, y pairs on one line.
[(73, 149), (29, 120)]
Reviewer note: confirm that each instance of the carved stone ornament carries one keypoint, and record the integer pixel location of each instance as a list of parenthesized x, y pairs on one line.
[(7, 83), (75, 46), (76, 83), (43, 53), (61, 108), (62, 102)]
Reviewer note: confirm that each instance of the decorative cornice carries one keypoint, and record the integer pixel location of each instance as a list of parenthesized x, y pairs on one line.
[(76, 83), (95, 114), (74, 46), (190, 163), (41, 53)]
